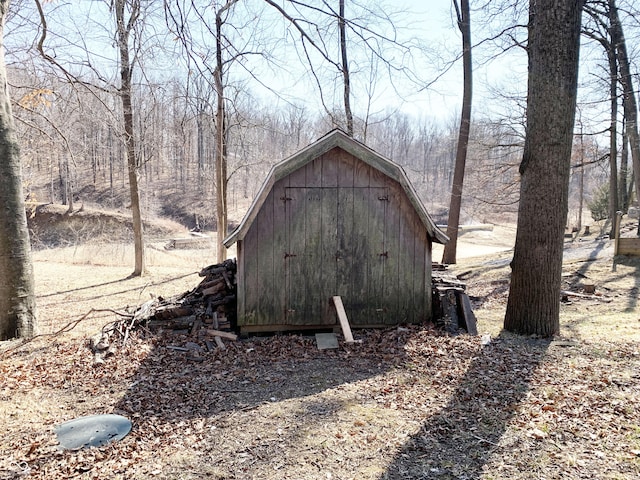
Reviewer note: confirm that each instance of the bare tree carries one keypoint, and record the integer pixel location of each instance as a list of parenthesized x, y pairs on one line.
[(17, 297), (346, 78), (216, 69), (128, 16), (464, 24), (629, 102), (533, 306), (127, 13), (369, 31), (603, 32)]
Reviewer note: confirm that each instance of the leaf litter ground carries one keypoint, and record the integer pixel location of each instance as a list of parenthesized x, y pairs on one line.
[(407, 403)]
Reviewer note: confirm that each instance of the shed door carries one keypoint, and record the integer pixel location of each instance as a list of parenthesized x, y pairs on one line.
[(335, 246)]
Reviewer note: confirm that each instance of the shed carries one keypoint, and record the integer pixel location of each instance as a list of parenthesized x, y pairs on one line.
[(336, 218)]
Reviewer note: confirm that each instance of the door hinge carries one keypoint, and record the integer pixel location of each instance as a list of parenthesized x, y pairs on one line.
[(384, 254), (287, 255), (285, 199), (384, 198)]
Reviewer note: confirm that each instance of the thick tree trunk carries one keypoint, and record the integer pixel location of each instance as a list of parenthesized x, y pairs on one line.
[(629, 97), (130, 145), (450, 249), (554, 43), (17, 298)]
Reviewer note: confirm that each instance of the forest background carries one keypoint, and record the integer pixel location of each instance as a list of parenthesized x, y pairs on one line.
[(281, 95)]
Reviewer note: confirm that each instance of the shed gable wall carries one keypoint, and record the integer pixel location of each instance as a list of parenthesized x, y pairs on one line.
[(335, 226)]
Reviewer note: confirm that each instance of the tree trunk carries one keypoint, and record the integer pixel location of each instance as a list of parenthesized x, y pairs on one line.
[(613, 136), (624, 173), (17, 297), (581, 182), (533, 306), (221, 159), (124, 28), (345, 71), (629, 98), (464, 23)]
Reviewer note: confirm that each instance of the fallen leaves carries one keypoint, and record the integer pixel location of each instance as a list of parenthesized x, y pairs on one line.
[(412, 399)]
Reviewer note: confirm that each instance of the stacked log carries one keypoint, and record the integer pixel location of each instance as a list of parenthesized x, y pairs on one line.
[(212, 304), (451, 305)]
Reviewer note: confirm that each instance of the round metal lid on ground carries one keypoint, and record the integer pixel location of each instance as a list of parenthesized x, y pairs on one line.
[(92, 431)]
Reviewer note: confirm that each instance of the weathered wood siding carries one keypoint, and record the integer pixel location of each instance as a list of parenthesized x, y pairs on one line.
[(335, 226)]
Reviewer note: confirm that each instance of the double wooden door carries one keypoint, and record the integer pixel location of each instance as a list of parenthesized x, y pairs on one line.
[(335, 245)]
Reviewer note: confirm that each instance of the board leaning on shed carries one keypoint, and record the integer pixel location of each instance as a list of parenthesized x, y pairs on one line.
[(335, 219)]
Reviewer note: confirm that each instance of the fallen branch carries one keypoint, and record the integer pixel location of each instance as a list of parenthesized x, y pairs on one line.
[(66, 328), (568, 293)]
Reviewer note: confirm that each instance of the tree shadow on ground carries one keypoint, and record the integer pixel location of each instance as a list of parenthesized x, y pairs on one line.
[(112, 282), (459, 440), (172, 385)]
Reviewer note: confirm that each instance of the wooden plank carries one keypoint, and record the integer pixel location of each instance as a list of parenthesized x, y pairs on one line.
[(268, 284), (342, 316), (330, 170), (326, 270), (377, 214), (466, 312), (362, 174), (313, 175), (345, 163), (392, 274), (353, 270), (628, 246), (406, 306), (313, 266), (346, 264), (251, 284), (279, 248), (295, 261), (616, 246), (345, 261), (220, 333), (296, 328)]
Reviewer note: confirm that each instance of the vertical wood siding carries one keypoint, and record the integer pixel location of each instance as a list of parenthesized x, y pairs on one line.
[(335, 226)]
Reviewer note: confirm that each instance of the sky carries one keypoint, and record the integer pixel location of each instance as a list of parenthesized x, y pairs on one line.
[(437, 95), (429, 21)]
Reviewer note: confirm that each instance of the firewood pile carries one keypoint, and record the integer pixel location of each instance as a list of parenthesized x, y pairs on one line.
[(209, 310), (212, 304), (451, 305)]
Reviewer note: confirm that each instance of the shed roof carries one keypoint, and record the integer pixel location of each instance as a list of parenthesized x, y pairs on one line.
[(335, 138)]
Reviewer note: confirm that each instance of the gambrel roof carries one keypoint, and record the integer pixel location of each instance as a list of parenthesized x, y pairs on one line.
[(336, 138)]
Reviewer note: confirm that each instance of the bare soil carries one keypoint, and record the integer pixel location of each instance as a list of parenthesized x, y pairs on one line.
[(409, 402)]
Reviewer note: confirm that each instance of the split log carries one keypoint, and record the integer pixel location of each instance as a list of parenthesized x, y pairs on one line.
[(215, 289), (220, 333)]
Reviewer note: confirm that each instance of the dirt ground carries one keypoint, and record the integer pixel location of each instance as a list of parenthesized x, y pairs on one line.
[(409, 402)]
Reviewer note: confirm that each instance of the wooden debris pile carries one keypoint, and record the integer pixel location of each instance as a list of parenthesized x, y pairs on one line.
[(209, 311), (451, 305), (212, 304)]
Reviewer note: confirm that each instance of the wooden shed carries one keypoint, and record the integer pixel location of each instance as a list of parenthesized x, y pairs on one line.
[(336, 218)]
